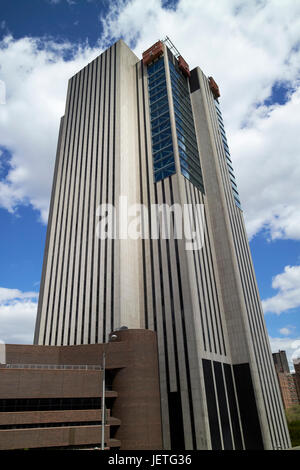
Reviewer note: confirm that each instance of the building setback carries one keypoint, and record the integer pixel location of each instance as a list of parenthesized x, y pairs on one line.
[(152, 131)]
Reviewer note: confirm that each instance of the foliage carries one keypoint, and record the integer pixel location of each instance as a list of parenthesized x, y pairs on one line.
[(293, 413), (294, 429), (293, 419)]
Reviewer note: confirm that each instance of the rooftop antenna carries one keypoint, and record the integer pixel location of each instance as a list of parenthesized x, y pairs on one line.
[(167, 41)]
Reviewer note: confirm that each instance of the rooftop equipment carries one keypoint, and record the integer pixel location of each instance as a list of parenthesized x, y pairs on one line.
[(214, 88), (184, 66), (154, 52)]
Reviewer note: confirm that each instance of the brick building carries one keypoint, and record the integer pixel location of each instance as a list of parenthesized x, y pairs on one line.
[(51, 396)]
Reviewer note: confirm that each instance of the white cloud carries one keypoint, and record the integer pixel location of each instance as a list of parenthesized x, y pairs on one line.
[(288, 297), (246, 46), (7, 295), (56, 2), (2, 93), (17, 315), (36, 75), (289, 345), (287, 330), (268, 170)]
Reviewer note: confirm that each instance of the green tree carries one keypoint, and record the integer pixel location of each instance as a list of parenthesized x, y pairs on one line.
[(293, 419)]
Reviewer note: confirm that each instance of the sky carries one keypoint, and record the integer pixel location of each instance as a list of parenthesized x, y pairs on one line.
[(251, 48)]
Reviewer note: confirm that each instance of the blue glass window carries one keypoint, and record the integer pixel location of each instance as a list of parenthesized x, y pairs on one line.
[(227, 154), (186, 137), (162, 145)]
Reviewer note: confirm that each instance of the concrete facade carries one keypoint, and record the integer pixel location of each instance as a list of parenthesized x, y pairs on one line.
[(248, 339), (215, 364)]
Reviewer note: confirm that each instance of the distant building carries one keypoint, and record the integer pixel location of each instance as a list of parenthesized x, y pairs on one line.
[(288, 389), (281, 362), (287, 380), (297, 375)]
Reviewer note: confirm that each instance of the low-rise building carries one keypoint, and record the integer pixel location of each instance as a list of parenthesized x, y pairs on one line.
[(51, 396)]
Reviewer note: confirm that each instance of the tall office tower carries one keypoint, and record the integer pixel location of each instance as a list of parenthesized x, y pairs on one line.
[(152, 132)]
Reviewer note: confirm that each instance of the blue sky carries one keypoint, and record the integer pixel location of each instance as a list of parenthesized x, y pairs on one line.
[(252, 50)]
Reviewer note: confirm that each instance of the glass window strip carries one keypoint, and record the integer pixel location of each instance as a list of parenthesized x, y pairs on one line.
[(155, 101), (163, 119), (189, 166), (180, 91), (168, 166), (162, 148), (233, 183), (161, 89), (165, 115), (194, 159), (164, 162), (227, 154), (185, 130), (158, 107), (223, 133), (183, 138), (235, 191), (184, 100), (156, 113), (152, 75), (162, 144), (192, 179), (158, 75), (188, 130), (182, 119), (162, 157), (180, 88), (180, 122), (182, 108), (232, 176), (155, 67), (177, 76), (188, 152), (156, 83), (229, 166), (182, 114), (162, 102), (161, 128), (160, 135), (224, 141)]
